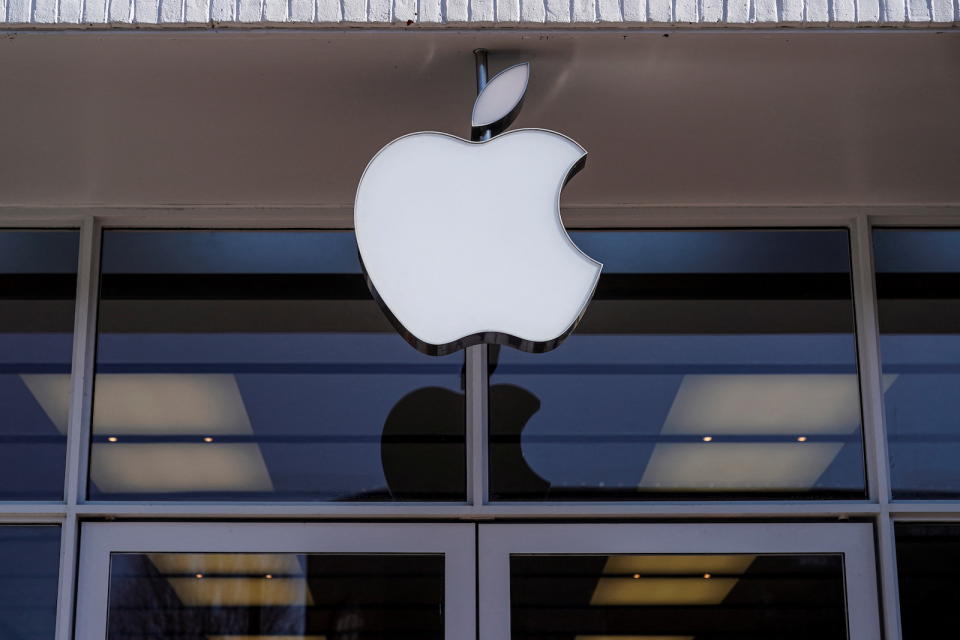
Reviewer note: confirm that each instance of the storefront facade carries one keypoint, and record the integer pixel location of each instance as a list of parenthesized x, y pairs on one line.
[(212, 430)]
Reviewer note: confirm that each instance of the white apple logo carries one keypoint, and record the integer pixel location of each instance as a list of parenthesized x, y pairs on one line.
[(462, 242)]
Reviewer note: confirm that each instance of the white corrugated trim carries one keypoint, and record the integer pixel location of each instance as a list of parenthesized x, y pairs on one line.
[(481, 13)]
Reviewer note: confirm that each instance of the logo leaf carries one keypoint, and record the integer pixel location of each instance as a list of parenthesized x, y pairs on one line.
[(499, 103)]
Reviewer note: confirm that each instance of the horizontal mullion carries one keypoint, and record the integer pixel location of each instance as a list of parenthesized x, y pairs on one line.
[(925, 511), (285, 368), (33, 512), (346, 368), (513, 511)]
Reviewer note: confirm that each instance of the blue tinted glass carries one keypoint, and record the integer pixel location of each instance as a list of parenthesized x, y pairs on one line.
[(38, 281), (709, 363), (29, 557), (255, 365), (918, 301)]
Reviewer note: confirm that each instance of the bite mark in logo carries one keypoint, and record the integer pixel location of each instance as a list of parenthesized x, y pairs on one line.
[(462, 242)]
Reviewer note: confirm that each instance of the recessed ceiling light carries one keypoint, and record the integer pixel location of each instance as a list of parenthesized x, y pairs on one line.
[(725, 466), (235, 579), (668, 580), (199, 405), (765, 404), (762, 405), (179, 467)]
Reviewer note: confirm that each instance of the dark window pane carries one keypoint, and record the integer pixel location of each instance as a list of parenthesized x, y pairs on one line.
[(29, 558), (918, 300), (207, 596), (255, 365), (927, 559), (707, 597), (38, 282), (709, 364)]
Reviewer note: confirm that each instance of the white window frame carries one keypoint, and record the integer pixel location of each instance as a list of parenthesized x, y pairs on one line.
[(497, 542), (455, 541)]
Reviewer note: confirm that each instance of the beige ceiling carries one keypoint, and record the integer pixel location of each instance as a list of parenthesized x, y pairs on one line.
[(291, 118)]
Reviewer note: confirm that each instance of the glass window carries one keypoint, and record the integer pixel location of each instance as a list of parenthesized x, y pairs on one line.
[(927, 559), (256, 365), (918, 303), (677, 597), (38, 283), (214, 596), (29, 560), (710, 363)]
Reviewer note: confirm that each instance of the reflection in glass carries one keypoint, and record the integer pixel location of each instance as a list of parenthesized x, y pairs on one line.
[(918, 303), (29, 558), (719, 363), (677, 597), (255, 365), (207, 596), (38, 283), (927, 559)]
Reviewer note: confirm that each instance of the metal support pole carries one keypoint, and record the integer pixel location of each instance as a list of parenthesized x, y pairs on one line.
[(480, 56), (477, 376)]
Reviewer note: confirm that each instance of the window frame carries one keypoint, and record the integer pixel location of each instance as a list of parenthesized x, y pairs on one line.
[(854, 541), (454, 541), (95, 319), (878, 508)]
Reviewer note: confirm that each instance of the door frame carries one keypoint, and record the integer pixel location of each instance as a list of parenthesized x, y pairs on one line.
[(457, 542), (855, 541)]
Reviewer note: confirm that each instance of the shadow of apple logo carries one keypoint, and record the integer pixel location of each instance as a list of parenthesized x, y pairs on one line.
[(511, 408), (422, 448)]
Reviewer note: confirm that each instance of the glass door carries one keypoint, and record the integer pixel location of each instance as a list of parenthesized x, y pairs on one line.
[(677, 582), (276, 581)]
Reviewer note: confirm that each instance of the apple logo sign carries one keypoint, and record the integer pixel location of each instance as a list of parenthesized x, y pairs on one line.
[(461, 241)]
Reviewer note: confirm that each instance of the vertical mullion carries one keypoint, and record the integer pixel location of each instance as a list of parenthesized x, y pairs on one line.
[(887, 556), (84, 345), (868, 353), (81, 384), (69, 545), (476, 435), (874, 428)]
